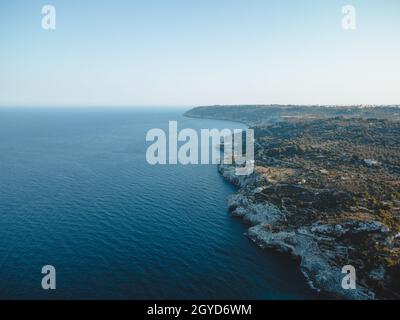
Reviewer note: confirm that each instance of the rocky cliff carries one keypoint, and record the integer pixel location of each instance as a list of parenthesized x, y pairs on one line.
[(325, 191)]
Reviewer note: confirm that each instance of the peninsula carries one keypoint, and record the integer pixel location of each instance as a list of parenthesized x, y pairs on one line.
[(326, 189)]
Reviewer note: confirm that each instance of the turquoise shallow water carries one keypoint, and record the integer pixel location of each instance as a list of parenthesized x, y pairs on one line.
[(76, 192)]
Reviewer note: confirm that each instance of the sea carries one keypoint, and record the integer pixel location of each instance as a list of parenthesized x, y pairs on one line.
[(77, 193)]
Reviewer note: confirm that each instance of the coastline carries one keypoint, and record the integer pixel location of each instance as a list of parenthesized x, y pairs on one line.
[(240, 207), (264, 230), (265, 221)]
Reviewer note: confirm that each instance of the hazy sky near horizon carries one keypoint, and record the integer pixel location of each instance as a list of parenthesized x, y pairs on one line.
[(199, 52)]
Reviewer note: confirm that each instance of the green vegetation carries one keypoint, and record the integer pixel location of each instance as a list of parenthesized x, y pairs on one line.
[(332, 166)]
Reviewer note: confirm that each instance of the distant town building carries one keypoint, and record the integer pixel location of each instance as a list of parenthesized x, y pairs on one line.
[(371, 162)]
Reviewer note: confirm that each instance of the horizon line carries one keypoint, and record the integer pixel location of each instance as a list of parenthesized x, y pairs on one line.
[(205, 105)]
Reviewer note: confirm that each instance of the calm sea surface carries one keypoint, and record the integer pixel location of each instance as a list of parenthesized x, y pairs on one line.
[(76, 192)]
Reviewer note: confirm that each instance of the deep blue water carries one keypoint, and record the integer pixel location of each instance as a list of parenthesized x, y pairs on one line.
[(76, 192)]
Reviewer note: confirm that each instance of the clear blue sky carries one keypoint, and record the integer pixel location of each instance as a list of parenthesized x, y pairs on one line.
[(197, 52)]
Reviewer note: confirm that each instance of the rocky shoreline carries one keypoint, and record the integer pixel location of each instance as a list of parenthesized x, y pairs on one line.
[(303, 243), (325, 189)]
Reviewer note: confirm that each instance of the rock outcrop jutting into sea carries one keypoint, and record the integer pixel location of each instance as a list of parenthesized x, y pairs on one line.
[(325, 189)]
